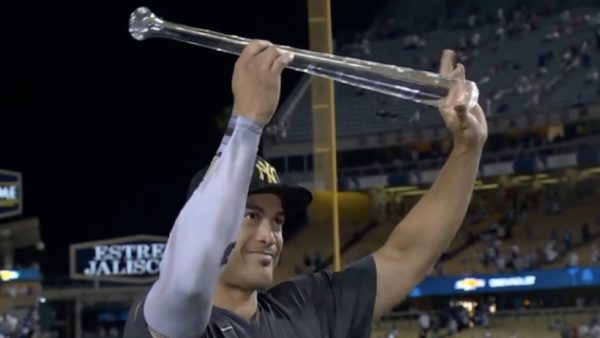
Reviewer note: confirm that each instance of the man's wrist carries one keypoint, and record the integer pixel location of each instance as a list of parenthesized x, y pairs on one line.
[(246, 123), (238, 122), (467, 151)]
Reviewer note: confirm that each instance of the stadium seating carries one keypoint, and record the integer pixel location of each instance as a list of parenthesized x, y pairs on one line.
[(543, 225), (314, 238), (355, 111), (525, 323)]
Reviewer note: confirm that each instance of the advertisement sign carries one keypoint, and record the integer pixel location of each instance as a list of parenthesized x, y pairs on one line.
[(11, 194), (561, 161), (134, 259), (524, 281), (19, 275), (498, 169)]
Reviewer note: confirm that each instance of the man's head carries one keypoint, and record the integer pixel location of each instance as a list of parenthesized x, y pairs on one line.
[(256, 253)]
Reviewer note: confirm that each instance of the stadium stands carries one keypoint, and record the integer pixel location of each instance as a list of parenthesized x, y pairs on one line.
[(532, 323), (500, 72), (529, 238)]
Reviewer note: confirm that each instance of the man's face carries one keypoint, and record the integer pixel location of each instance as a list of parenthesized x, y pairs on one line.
[(256, 253)]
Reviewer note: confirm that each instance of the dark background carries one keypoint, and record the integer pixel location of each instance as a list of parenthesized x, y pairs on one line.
[(108, 131)]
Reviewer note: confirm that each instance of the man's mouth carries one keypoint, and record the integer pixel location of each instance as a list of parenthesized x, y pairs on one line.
[(263, 253), (265, 257)]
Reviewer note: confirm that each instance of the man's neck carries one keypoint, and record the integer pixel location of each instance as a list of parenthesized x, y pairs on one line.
[(241, 302)]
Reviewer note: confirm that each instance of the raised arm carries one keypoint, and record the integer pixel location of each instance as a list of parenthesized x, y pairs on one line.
[(422, 236), (179, 303)]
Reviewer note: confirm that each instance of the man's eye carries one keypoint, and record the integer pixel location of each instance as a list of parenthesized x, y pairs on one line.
[(253, 216)]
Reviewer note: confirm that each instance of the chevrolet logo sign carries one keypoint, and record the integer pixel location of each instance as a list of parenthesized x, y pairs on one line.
[(11, 195), (469, 284)]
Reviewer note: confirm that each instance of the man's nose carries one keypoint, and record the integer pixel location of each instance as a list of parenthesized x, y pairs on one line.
[(265, 232)]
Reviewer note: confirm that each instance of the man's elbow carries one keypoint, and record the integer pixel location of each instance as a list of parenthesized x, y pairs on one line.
[(416, 260)]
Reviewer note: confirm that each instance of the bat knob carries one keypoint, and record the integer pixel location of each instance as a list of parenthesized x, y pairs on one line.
[(142, 21)]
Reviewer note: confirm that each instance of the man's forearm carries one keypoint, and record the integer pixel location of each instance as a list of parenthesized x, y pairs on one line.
[(179, 303), (432, 224)]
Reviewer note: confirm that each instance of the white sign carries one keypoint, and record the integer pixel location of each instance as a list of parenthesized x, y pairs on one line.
[(125, 260), (498, 169), (134, 259), (378, 181), (8, 192), (561, 161), (511, 281), (429, 176)]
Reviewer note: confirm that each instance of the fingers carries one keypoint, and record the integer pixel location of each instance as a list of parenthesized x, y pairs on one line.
[(456, 93), (281, 62), (454, 108), (267, 57), (251, 51), (254, 48), (458, 73), (447, 62), (461, 114)]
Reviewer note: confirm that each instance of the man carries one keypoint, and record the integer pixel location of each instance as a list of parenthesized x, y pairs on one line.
[(213, 268)]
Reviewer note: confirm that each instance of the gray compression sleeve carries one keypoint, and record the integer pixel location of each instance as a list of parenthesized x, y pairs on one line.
[(179, 303)]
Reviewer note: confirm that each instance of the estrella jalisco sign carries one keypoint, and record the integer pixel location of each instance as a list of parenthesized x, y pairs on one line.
[(132, 259)]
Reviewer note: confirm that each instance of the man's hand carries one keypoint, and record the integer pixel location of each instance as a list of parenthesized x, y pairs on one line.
[(468, 128), (257, 80), (422, 236)]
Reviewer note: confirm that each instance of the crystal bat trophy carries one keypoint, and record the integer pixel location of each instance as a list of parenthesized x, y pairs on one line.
[(414, 85)]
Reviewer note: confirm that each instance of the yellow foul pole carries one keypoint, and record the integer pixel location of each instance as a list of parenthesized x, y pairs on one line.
[(323, 110)]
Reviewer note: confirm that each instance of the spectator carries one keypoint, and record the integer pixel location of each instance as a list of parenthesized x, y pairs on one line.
[(585, 233), (573, 260), (529, 232), (452, 326), (595, 254), (554, 235), (567, 240), (532, 259), (113, 332), (595, 330), (556, 208), (500, 16), (393, 333), (424, 324), (307, 260), (8, 324), (317, 262), (501, 263), (592, 76), (550, 252), (565, 331), (520, 264)]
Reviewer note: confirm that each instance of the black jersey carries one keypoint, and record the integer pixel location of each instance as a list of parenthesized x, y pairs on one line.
[(319, 305)]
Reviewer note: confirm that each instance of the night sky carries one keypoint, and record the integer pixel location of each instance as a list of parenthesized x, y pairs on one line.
[(108, 131)]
